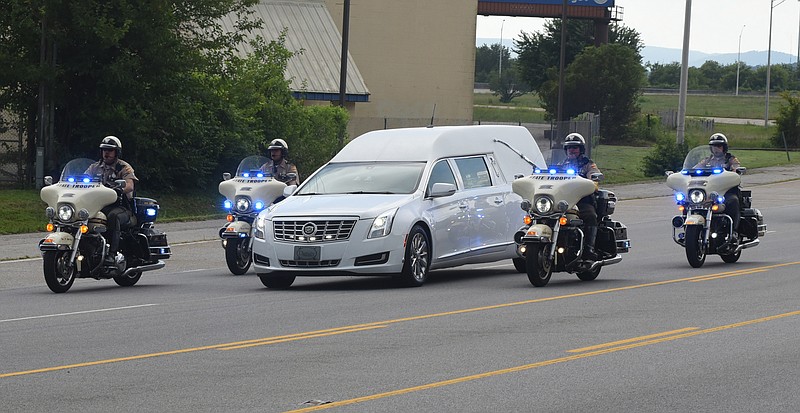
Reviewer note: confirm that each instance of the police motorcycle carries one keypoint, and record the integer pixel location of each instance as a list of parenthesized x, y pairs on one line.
[(552, 238), (703, 227), (76, 247), (247, 194)]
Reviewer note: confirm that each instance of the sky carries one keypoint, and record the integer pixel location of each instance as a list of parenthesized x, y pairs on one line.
[(715, 24)]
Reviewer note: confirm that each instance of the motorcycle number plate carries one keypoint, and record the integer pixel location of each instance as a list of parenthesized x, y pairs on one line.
[(304, 253)]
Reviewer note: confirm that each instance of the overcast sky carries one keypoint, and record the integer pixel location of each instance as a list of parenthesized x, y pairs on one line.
[(715, 24)]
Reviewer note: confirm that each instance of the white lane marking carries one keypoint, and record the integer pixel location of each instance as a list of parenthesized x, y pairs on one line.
[(77, 312), (21, 260)]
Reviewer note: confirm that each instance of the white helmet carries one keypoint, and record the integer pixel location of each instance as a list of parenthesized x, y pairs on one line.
[(719, 139), (279, 144), (575, 139), (111, 142)]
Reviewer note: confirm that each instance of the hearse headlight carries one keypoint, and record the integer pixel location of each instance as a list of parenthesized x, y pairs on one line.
[(382, 224)]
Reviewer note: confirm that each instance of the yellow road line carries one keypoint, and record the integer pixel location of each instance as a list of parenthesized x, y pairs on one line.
[(302, 337), (361, 327), (631, 340), (538, 364)]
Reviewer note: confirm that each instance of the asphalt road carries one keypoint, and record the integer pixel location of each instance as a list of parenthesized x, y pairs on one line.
[(650, 334)]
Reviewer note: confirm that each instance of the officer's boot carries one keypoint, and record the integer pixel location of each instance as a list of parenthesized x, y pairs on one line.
[(590, 234)]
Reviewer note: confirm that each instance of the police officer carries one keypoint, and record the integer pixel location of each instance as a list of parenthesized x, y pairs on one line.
[(721, 158), (111, 168), (278, 166), (575, 149)]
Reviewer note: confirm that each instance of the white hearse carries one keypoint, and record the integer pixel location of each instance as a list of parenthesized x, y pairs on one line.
[(401, 202)]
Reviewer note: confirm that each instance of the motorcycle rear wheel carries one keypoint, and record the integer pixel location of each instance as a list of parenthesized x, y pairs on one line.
[(538, 265), (238, 256), (58, 273), (695, 252)]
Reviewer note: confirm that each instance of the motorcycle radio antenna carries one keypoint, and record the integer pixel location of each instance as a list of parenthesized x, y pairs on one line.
[(521, 155)]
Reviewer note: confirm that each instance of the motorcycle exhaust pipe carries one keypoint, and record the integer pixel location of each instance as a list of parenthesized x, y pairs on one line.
[(749, 244), (160, 264), (617, 258)]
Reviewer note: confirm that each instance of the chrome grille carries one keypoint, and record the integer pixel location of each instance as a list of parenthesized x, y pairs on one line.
[(313, 230)]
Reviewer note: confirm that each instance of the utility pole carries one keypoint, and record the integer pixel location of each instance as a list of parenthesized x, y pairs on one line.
[(345, 37), (684, 74), (500, 69), (562, 58), (738, 59)]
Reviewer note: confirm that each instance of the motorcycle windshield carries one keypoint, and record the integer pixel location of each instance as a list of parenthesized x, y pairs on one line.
[(250, 167), (76, 170), (695, 156)]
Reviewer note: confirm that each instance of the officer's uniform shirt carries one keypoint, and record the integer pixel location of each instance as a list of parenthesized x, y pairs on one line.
[(584, 166), (280, 170), (727, 161), (110, 173)]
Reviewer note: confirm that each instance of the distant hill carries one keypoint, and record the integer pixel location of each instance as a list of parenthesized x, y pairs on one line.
[(653, 54)]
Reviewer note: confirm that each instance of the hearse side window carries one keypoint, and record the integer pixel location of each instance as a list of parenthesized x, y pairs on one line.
[(474, 172), (441, 174)]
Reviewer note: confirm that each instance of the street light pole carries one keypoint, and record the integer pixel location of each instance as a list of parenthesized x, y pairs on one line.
[(500, 69), (772, 6), (739, 60)]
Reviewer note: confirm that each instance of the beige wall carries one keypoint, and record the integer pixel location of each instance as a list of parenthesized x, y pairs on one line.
[(413, 54)]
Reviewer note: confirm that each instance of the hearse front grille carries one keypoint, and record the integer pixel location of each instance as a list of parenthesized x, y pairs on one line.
[(313, 230)]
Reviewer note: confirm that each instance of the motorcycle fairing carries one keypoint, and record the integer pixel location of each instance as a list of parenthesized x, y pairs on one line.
[(56, 241)]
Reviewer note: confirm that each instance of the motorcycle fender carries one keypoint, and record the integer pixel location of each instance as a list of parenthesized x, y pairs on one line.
[(539, 232), (234, 229), (56, 241), (695, 220)]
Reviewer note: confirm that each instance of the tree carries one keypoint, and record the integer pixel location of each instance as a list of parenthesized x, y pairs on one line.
[(664, 75), (539, 52), (788, 122), (164, 76), (507, 86), (487, 60), (605, 80)]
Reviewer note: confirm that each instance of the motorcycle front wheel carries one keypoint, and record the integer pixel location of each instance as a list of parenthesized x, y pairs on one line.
[(58, 273), (238, 256), (538, 265), (695, 251)]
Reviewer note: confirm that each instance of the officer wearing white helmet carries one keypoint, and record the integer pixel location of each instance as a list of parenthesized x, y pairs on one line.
[(721, 158), (575, 149), (278, 166), (109, 169)]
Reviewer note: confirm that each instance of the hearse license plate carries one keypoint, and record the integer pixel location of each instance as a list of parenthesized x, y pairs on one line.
[(306, 253)]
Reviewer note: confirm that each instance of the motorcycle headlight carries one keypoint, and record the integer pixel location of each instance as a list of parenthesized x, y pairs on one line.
[(544, 205), (697, 196), (242, 204), (382, 224), (65, 212), (50, 212)]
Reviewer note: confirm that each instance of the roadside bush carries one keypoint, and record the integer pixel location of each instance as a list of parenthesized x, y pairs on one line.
[(666, 155), (788, 122)]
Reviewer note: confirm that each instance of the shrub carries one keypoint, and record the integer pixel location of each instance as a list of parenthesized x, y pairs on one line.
[(666, 155)]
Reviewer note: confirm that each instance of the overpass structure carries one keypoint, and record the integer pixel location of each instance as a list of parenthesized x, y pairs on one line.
[(602, 12)]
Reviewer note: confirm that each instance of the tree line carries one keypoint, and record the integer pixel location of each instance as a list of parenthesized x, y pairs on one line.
[(165, 77)]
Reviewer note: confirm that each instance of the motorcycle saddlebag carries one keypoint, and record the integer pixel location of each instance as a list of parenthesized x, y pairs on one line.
[(621, 236), (752, 223), (157, 243), (146, 209), (606, 203)]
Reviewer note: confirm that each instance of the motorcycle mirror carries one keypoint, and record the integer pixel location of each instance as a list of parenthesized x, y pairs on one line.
[(226, 176), (668, 173), (291, 176), (289, 190), (597, 177), (518, 176), (48, 180), (120, 183), (741, 170)]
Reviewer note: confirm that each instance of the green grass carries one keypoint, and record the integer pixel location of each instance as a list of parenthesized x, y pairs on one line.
[(23, 211), (722, 106)]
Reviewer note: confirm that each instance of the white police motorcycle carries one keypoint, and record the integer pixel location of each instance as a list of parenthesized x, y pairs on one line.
[(75, 246), (552, 238), (247, 194), (703, 227)]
